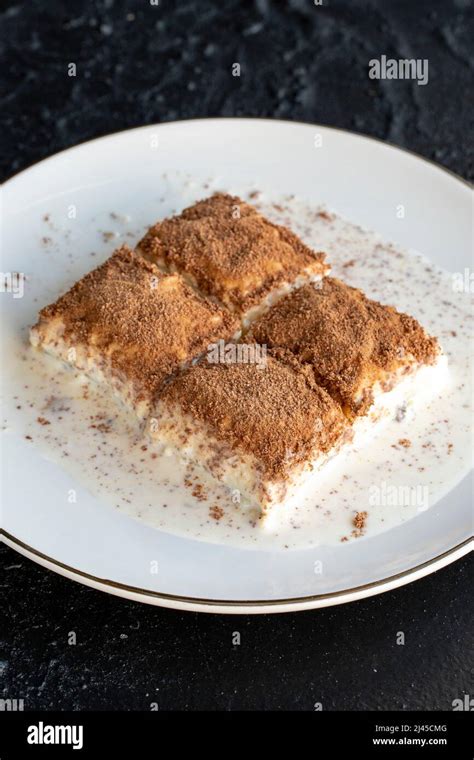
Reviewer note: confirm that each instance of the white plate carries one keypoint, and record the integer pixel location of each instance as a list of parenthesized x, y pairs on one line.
[(364, 180)]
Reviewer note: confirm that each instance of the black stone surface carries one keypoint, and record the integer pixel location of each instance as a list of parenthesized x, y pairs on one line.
[(139, 64)]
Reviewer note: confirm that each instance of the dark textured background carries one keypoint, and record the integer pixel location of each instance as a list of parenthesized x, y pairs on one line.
[(139, 64)]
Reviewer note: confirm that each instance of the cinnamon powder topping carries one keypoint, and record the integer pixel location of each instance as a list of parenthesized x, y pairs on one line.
[(142, 323), (349, 341), (271, 413), (230, 251), (360, 520)]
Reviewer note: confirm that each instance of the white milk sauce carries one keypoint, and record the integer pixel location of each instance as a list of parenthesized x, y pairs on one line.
[(405, 467)]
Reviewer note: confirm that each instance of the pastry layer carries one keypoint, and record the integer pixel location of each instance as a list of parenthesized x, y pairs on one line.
[(353, 345), (229, 251), (256, 430), (131, 326)]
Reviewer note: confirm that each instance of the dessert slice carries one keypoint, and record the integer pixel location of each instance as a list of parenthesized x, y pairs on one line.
[(129, 325), (355, 347), (229, 251), (259, 430)]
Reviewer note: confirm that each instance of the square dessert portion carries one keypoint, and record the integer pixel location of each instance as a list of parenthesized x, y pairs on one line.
[(129, 325), (258, 430), (355, 347), (230, 252)]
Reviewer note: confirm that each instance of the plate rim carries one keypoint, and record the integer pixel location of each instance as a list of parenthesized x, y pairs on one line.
[(197, 604), (230, 606), (257, 119)]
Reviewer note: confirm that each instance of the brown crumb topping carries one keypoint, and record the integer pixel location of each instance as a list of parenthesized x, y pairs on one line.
[(360, 520), (349, 341), (405, 442), (142, 323), (230, 251), (271, 413), (216, 512)]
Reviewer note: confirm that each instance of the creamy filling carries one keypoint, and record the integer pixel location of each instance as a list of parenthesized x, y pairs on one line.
[(92, 364)]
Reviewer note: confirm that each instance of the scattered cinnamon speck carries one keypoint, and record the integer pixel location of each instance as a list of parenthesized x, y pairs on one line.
[(43, 421), (359, 520), (325, 215), (405, 442), (216, 512), (199, 492), (102, 427)]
